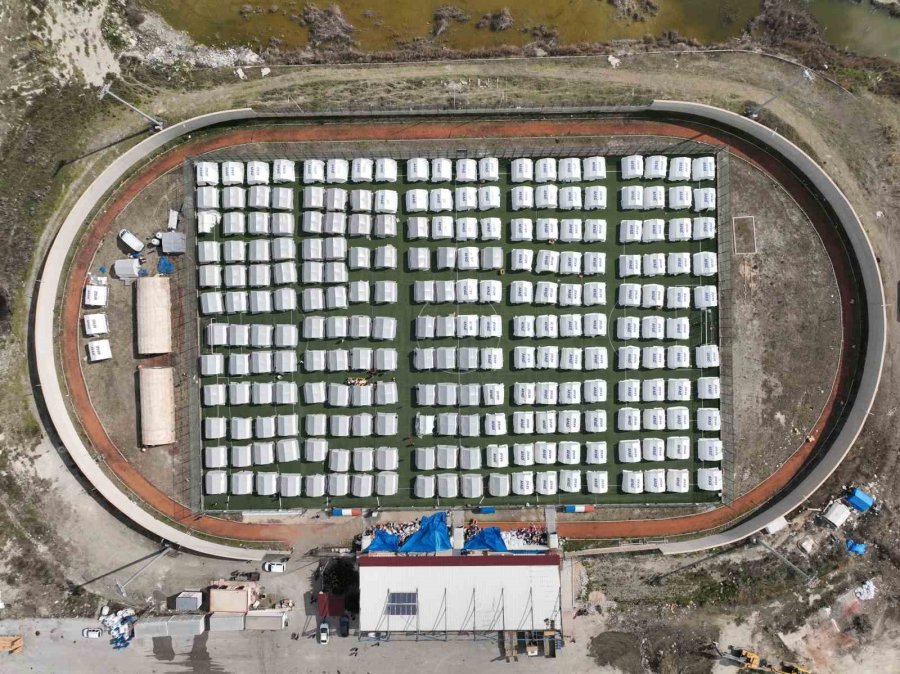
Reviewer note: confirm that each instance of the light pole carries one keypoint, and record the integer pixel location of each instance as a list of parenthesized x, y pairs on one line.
[(754, 110), (106, 90), (120, 587)]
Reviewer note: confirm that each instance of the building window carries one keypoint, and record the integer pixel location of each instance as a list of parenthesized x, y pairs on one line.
[(401, 603)]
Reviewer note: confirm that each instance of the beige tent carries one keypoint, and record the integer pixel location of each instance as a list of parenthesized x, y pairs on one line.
[(154, 315), (157, 405)]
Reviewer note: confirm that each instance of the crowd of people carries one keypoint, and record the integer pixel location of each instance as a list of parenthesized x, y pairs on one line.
[(525, 536)]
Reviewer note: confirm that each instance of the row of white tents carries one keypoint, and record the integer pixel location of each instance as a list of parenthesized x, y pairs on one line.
[(671, 357), (360, 359), (453, 485), (652, 327), (451, 457), (462, 199), (263, 335), (459, 325), (547, 261), (441, 169), (215, 303), (670, 448), (336, 297), (287, 485), (673, 389), (463, 358), (446, 228), (288, 425), (461, 291), (465, 258), (238, 199), (518, 423), (678, 418), (382, 226), (334, 394), (657, 197), (338, 200), (657, 230), (671, 264), (656, 296), (364, 459)]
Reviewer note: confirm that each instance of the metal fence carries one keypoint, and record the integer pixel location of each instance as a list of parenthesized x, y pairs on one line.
[(726, 324)]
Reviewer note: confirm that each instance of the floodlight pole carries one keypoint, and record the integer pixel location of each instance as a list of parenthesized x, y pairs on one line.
[(106, 90), (754, 110), (120, 587)]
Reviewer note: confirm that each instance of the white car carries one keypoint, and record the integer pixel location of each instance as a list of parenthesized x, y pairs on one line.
[(131, 240), (323, 633), (91, 633), (274, 567)]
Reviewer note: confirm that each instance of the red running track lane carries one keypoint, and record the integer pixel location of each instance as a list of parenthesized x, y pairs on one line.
[(426, 130)]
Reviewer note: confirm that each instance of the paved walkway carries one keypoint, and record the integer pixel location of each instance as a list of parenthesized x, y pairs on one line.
[(424, 129)]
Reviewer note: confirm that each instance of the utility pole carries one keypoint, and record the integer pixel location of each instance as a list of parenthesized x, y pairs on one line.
[(809, 579), (754, 110), (120, 587), (106, 90)]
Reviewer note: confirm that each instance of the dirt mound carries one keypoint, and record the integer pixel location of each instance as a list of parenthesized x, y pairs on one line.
[(673, 650), (635, 10), (440, 20), (617, 649), (327, 26), (498, 21)]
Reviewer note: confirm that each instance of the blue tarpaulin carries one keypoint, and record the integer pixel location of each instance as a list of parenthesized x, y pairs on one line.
[(432, 535), (487, 539), (165, 265), (860, 500), (856, 548), (382, 541)]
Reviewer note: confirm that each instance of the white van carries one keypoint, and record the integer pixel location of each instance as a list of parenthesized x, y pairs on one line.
[(131, 240)]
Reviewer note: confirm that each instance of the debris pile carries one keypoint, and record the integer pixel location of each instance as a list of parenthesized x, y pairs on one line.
[(440, 20), (497, 21), (120, 626)]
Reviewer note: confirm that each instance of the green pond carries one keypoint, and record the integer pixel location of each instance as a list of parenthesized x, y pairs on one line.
[(379, 24)]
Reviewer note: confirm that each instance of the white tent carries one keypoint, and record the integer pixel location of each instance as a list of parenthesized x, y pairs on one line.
[(424, 486), (284, 171), (678, 447), (441, 200), (216, 482), (653, 419), (417, 201), (257, 173), (260, 196), (632, 481), (242, 483), (207, 221), (466, 170), (707, 355), (628, 327), (498, 484), (630, 295), (705, 297), (337, 171), (488, 169), (289, 484), (523, 483), (471, 485), (470, 458), (679, 169), (523, 454), (678, 390), (655, 481), (241, 456), (628, 419), (545, 170), (653, 449), (315, 449), (263, 453), (655, 167), (489, 197), (709, 479), (288, 450), (546, 482), (570, 199), (361, 485), (703, 168), (570, 170), (708, 419), (207, 197), (522, 170), (387, 483), (595, 421), (522, 197), (385, 170), (207, 173), (709, 449), (678, 357), (705, 264), (338, 484), (680, 197), (314, 485), (653, 296), (708, 388), (545, 452), (448, 485), (632, 167), (417, 170), (678, 263), (593, 168), (678, 481), (233, 198), (424, 458), (441, 170), (546, 196), (654, 197), (386, 202)]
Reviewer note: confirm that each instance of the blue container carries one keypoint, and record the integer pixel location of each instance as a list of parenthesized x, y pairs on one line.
[(487, 510), (860, 500)]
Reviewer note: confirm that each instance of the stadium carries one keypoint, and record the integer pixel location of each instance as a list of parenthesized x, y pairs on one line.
[(652, 312)]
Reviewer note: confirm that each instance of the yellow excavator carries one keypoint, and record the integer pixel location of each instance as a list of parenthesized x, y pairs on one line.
[(752, 662)]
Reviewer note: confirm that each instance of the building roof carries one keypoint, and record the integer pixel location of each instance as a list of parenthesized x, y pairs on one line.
[(471, 593)]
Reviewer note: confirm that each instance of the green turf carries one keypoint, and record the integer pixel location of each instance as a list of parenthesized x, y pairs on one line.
[(704, 329)]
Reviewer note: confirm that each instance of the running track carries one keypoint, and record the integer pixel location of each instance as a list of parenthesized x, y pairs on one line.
[(431, 130)]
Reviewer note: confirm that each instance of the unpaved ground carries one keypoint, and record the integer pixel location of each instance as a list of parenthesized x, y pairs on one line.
[(855, 138), (787, 327)]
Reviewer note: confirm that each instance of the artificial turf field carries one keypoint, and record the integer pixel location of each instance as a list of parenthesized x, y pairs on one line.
[(704, 330)]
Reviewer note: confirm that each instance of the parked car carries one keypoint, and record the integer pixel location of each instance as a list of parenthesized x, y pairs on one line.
[(323, 633), (274, 567), (345, 626), (91, 633), (131, 240)]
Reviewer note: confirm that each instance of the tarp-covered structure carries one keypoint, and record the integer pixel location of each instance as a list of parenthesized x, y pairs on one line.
[(432, 535)]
